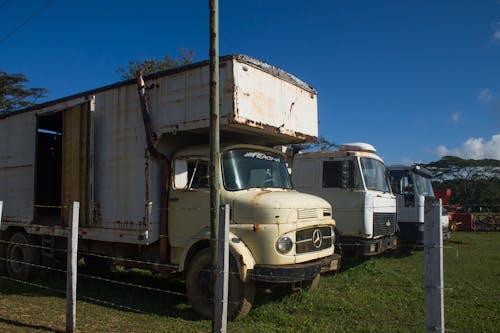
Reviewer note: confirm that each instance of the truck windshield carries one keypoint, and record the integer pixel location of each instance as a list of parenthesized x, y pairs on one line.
[(250, 168), (374, 174), (423, 185)]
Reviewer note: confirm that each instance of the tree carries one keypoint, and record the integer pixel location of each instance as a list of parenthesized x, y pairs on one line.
[(153, 65), (474, 183), (13, 93), (321, 144)]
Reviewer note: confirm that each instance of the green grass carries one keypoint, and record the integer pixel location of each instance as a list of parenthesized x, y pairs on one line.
[(377, 295)]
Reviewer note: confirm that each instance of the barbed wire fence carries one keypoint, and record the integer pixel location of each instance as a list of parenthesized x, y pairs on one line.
[(113, 280)]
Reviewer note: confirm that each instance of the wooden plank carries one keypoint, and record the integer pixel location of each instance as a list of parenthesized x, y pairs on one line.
[(75, 159)]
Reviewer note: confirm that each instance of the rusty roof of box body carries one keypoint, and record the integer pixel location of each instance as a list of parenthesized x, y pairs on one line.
[(275, 71)]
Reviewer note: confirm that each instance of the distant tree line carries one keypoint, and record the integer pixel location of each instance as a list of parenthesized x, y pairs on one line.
[(474, 183)]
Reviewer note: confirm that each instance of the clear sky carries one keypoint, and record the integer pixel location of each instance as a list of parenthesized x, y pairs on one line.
[(415, 78)]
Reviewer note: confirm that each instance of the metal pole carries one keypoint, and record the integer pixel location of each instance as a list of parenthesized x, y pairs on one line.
[(221, 286), (72, 267), (214, 168), (433, 267)]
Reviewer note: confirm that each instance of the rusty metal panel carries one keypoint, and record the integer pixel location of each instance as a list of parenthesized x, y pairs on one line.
[(122, 172), (254, 97), (265, 101), (75, 160), (180, 102), (17, 159)]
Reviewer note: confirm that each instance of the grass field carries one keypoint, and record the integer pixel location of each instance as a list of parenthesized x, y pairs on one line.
[(377, 295)]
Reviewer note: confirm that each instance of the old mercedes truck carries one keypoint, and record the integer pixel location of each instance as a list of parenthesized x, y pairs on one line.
[(353, 180), (140, 173)]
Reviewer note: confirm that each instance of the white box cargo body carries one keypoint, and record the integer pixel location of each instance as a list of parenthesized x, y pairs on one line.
[(98, 138)]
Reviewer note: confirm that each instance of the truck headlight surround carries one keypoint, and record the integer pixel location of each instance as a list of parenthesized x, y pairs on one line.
[(284, 244)]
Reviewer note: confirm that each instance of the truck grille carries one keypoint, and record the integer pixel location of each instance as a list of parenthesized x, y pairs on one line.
[(313, 239), (384, 224), (308, 213)]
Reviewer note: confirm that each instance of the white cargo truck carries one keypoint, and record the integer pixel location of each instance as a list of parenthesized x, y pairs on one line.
[(354, 181), (412, 184), (140, 175)]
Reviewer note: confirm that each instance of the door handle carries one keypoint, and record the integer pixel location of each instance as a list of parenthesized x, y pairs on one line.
[(174, 199)]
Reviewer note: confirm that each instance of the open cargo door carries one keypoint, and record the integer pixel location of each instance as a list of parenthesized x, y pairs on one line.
[(75, 185)]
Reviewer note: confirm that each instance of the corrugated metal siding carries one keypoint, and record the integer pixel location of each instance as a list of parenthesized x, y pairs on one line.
[(17, 158)]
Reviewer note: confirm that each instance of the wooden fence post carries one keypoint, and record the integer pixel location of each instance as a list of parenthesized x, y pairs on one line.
[(72, 267), (433, 266), (222, 276), (1, 207)]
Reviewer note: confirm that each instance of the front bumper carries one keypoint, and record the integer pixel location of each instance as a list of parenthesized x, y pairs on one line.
[(377, 246), (295, 272)]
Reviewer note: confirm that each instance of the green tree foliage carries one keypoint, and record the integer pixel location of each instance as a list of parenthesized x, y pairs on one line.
[(321, 144), (151, 66), (474, 183), (13, 93)]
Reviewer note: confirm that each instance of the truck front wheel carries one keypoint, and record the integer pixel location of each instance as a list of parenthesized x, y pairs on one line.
[(23, 256), (200, 286)]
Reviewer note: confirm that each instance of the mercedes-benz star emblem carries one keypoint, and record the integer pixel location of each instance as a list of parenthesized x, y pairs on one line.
[(317, 238)]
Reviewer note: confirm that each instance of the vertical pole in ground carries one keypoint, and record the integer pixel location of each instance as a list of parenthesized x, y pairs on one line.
[(214, 168), (1, 207), (433, 267), (221, 286), (72, 266)]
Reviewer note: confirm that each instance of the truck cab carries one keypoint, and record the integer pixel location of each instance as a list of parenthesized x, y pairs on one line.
[(354, 181), (412, 184)]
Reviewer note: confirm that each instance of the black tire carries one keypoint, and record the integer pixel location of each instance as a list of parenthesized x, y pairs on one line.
[(23, 256), (199, 285)]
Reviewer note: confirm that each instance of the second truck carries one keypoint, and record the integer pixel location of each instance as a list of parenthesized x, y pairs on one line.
[(354, 180)]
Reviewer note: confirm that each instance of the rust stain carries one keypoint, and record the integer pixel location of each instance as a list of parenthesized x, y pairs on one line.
[(258, 195)]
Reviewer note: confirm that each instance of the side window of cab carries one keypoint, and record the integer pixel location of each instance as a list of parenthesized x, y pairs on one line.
[(190, 174)]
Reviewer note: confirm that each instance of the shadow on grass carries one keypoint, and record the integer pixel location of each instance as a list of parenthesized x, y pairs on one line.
[(30, 326), (135, 291), (131, 291)]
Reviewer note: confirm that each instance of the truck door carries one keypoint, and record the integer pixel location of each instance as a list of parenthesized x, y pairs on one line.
[(189, 202), (341, 181)]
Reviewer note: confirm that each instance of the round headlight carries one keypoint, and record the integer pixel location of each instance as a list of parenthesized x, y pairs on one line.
[(284, 244)]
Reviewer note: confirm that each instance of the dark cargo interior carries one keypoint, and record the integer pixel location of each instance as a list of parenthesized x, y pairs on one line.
[(48, 169)]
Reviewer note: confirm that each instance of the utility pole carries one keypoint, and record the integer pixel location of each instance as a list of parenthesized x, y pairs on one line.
[(214, 167)]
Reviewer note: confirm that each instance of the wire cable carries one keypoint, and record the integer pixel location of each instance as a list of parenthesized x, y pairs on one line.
[(29, 18)]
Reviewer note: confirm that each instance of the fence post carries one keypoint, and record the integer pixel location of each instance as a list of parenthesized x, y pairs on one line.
[(222, 277), (72, 267), (1, 207), (433, 266)]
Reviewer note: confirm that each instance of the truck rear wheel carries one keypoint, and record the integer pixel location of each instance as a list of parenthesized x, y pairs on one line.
[(22, 256), (200, 286)]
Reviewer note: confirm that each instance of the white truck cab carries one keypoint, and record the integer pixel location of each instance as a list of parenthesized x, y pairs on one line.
[(412, 184), (354, 181)]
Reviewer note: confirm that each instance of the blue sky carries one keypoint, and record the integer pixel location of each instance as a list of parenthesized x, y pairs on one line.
[(417, 79)]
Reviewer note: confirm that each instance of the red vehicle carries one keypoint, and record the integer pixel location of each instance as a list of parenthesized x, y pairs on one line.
[(460, 219)]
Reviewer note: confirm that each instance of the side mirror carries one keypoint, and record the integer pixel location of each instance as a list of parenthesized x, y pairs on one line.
[(181, 174)]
